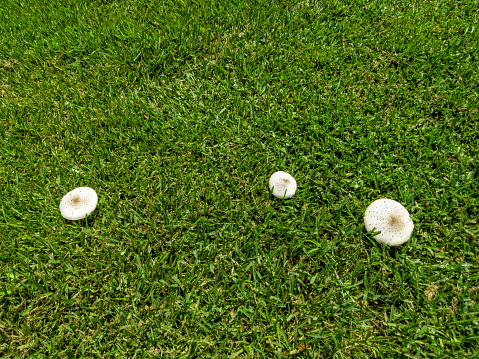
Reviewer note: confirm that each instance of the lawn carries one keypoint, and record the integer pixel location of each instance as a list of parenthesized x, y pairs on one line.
[(177, 113)]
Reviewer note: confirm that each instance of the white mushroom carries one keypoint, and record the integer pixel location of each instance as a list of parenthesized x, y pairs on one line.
[(282, 184), (391, 219), (79, 203)]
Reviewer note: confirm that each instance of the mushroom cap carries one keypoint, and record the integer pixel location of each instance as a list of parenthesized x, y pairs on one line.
[(282, 184), (79, 203), (391, 219)]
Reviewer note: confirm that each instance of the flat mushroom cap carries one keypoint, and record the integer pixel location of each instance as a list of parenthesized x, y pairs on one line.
[(79, 203), (282, 184), (391, 219)]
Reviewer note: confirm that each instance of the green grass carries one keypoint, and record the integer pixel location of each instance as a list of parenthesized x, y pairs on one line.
[(177, 113)]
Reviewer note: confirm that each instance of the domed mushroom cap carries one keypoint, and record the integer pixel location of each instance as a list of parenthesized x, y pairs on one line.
[(391, 219), (282, 184), (79, 203)]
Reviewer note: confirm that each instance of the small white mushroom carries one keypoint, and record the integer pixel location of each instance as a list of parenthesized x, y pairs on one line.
[(282, 184), (391, 219), (79, 203)]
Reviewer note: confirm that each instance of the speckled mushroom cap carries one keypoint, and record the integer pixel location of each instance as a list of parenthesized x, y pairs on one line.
[(391, 219), (79, 203), (282, 184)]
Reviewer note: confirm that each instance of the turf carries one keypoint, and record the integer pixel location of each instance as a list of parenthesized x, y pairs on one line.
[(177, 113)]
